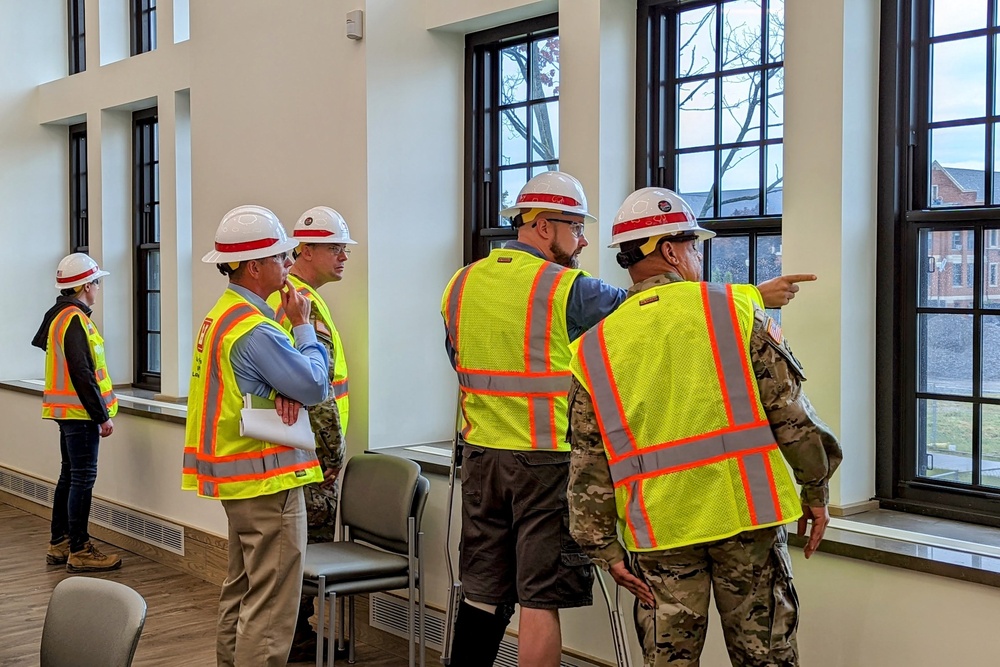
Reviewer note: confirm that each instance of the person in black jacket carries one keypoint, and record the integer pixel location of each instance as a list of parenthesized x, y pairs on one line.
[(79, 397)]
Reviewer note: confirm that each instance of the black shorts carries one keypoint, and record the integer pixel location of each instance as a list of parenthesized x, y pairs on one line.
[(516, 545)]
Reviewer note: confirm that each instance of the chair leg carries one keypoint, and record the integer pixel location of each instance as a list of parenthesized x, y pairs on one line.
[(343, 616), (320, 621), (423, 606), (330, 634), (352, 643), (411, 600)]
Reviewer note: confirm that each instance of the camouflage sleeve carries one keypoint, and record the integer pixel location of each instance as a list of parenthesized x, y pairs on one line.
[(593, 517), (808, 444), (325, 421)]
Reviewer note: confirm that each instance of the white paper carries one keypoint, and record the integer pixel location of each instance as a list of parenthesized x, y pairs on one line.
[(265, 424)]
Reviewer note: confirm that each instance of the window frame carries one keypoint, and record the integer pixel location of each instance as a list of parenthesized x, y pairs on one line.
[(142, 24), (76, 36), (79, 230), (482, 129), (656, 120), (145, 242), (904, 214)]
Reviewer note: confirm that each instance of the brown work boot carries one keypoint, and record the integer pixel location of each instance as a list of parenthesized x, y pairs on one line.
[(89, 559), (58, 552)]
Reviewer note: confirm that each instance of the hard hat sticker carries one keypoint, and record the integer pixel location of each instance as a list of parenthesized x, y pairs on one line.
[(664, 205), (307, 222)]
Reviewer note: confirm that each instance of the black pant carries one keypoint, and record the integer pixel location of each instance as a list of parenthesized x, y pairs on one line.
[(78, 440)]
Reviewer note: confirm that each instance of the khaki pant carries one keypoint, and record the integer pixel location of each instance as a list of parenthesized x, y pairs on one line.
[(751, 574), (260, 597)]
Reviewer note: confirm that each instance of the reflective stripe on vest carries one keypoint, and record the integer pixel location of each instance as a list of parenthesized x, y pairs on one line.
[(218, 461), (543, 384), (59, 399), (748, 438), (339, 385)]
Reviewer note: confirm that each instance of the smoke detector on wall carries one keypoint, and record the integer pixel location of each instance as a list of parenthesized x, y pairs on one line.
[(355, 24)]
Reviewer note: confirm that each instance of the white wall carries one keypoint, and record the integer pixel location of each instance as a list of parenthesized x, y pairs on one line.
[(269, 103)]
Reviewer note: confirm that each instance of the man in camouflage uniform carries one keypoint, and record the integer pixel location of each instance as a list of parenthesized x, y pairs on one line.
[(750, 571), (320, 259)]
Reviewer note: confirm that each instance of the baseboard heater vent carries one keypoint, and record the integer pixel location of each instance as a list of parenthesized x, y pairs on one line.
[(389, 613), (143, 527)]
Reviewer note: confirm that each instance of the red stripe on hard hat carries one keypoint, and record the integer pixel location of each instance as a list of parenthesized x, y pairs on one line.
[(544, 198), (79, 276), (246, 245), (650, 221), (306, 233)]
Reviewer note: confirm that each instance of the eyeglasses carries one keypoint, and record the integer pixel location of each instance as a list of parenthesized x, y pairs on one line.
[(340, 248), (575, 227)]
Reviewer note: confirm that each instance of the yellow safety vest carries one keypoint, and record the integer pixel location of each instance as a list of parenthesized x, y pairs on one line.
[(338, 382), (60, 400), (690, 449), (218, 461), (506, 320)]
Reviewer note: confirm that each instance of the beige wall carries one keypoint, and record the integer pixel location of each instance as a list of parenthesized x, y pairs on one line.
[(269, 103)]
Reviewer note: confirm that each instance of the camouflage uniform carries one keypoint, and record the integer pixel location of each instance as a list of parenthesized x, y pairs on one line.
[(750, 572), (321, 499)]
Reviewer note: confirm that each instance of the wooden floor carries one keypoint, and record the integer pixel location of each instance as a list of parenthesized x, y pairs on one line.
[(181, 616)]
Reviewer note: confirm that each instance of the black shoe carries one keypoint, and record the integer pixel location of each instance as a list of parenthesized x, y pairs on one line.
[(305, 651)]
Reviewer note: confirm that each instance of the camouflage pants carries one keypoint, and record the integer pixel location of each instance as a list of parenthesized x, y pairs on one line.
[(321, 511), (751, 574)]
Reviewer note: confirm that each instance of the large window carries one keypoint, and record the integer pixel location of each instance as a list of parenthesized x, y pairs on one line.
[(710, 122), (939, 304), (79, 232), (143, 16), (512, 123), (146, 241), (77, 33)]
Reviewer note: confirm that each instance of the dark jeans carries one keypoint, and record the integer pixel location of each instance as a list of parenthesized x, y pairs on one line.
[(78, 441)]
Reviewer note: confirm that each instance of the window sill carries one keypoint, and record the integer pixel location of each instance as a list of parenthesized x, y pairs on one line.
[(943, 547), (135, 402)]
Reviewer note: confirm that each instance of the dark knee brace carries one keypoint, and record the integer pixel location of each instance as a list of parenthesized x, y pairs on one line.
[(478, 634)]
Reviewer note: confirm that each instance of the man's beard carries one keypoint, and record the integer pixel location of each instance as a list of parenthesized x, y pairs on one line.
[(563, 258)]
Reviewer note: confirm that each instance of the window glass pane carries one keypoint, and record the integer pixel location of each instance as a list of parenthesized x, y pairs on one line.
[(774, 179), (741, 108), (513, 72), (740, 182), (153, 270), (989, 436), (775, 30), (741, 21), (775, 103), (958, 156), (511, 182), (545, 67), (513, 133), (696, 113), (535, 171), (730, 259), (958, 79), (153, 353), (991, 273), (944, 354), (696, 182), (768, 258), (545, 131), (940, 270), (951, 16), (945, 430), (153, 311), (696, 42), (990, 359)]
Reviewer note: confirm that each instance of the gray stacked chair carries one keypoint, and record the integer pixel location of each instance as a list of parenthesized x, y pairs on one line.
[(92, 622), (381, 503)]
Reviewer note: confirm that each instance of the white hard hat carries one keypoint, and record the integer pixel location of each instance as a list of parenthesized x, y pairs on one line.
[(77, 269), (248, 232), (322, 224), (653, 212), (552, 190)]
